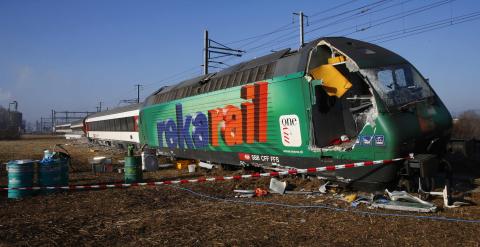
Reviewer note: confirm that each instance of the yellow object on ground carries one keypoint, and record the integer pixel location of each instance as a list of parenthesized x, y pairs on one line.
[(182, 164), (332, 80), (350, 198)]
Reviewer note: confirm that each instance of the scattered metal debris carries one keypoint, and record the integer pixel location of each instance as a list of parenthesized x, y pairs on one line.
[(404, 206), (446, 197), (404, 196)]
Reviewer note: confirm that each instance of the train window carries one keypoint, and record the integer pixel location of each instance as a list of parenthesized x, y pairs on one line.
[(130, 123), (385, 78), (120, 124), (115, 125), (400, 75), (124, 124)]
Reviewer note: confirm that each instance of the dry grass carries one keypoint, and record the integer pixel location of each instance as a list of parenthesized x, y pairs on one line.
[(166, 216)]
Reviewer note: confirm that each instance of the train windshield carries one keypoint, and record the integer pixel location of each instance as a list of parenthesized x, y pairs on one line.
[(398, 85)]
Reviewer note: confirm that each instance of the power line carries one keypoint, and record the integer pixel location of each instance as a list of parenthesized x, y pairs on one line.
[(285, 27), (382, 21), (451, 21), (398, 16), (361, 11), (359, 14)]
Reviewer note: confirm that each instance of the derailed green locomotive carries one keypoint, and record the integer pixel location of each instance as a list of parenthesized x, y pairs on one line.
[(335, 100)]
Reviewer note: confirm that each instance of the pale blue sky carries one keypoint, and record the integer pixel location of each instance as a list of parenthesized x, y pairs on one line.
[(69, 55)]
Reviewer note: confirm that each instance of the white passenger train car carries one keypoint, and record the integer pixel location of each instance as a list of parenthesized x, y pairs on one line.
[(62, 128), (77, 130), (116, 127)]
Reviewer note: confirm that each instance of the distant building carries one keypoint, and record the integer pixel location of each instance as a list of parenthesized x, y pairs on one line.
[(11, 124)]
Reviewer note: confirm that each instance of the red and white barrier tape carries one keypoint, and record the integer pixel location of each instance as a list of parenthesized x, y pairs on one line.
[(223, 178)]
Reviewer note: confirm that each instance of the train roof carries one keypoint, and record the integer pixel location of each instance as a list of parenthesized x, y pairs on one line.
[(278, 63), (115, 111), (63, 125), (77, 123)]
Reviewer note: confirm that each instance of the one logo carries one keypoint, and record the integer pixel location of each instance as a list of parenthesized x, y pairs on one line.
[(290, 130)]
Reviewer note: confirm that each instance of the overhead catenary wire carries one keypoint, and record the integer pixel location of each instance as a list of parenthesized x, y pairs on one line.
[(401, 15), (381, 21), (282, 38), (361, 11), (451, 21), (376, 22), (287, 26), (327, 11)]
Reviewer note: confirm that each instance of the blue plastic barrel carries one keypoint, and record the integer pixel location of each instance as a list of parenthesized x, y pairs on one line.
[(50, 174), (20, 174)]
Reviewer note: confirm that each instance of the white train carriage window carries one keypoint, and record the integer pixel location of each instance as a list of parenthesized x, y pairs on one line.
[(131, 124)]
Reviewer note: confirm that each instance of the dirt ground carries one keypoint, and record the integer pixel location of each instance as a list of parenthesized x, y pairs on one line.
[(207, 214)]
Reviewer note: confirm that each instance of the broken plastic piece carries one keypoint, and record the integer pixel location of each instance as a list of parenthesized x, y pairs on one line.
[(205, 165), (277, 186), (323, 188)]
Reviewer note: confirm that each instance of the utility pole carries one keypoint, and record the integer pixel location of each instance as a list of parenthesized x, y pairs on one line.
[(138, 92), (205, 53), (218, 50), (99, 107), (301, 17), (53, 121)]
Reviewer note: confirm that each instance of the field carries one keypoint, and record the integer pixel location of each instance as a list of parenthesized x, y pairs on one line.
[(207, 214)]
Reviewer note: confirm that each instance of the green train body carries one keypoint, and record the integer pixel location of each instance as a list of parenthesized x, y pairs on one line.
[(274, 111)]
